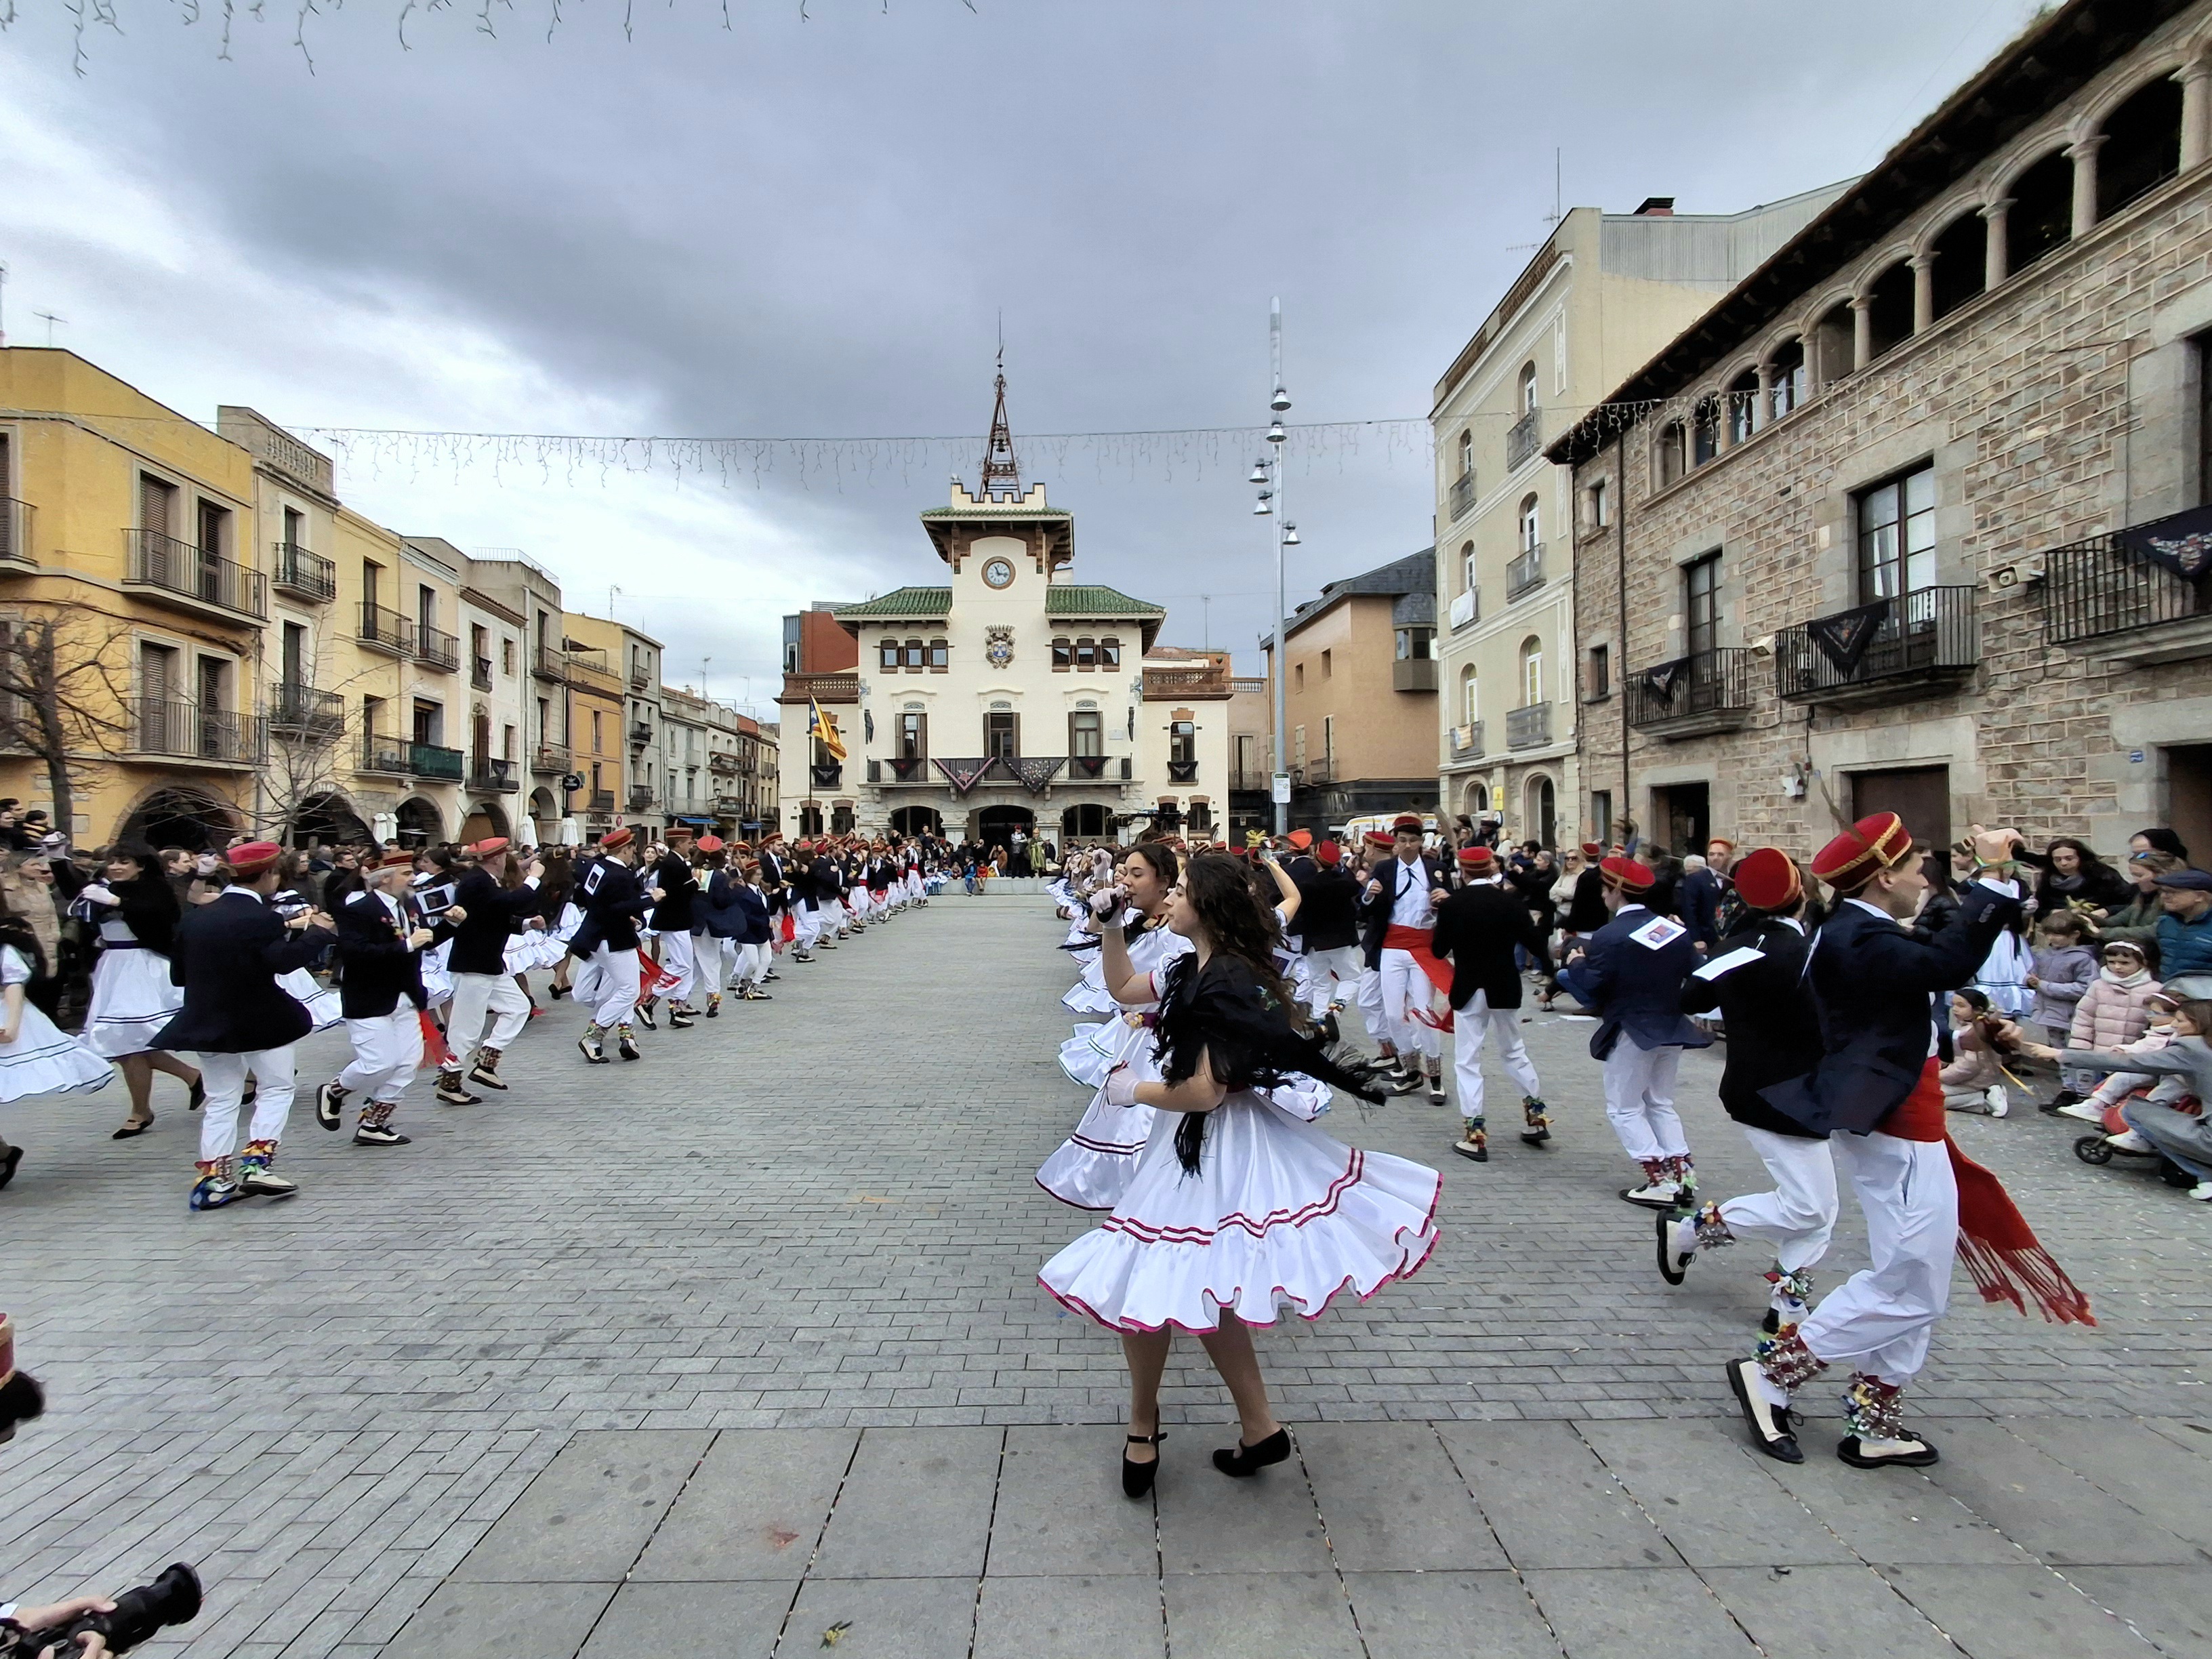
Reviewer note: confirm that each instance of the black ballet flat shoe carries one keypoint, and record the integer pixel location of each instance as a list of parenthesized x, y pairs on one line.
[(198, 1098), (8, 1164), (1241, 1460), (128, 1132), (1773, 1428), (1137, 1478)]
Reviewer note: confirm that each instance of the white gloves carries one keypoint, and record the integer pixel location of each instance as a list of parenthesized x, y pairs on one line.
[(1121, 1086)]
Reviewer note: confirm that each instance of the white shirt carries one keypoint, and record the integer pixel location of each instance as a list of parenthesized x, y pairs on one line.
[(1413, 907)]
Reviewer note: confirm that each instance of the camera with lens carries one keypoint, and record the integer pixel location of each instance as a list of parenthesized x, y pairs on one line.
[(289, 903), (172, 1599)]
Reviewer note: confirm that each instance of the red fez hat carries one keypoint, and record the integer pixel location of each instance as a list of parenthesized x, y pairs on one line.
[(1329, 853), (1381, 838), (1849, 861), (1767, 878), (710, 843), (1406, 821), (615, 838), (1301, 839), (678, 832), (1628, 874), (1478, 859), (1592, 849), (253, 857), (488, 845), (1720, 841)]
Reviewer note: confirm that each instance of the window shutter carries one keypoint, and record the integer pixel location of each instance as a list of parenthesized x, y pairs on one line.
[(1014, 737), (154, 501)]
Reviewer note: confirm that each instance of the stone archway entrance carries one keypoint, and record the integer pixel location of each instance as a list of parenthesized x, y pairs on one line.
[(177, 817), (330, 819), (419, 821), (484, 820), (918, 821), (995, 825)]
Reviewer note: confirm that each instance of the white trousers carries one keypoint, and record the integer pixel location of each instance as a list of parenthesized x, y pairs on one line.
[(1879, 1320), (681, 962), (1325, 970), (1639, 1099), (608, 986), (476, 996), (1798, 1217), (1367, 992), (815, 918), (1470, 1026), (712, 956), (224, 1076), (747, 964), (1406, 988), (388, 1052)]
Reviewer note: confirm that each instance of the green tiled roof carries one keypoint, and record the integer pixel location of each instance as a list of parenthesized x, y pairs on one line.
[(1077, 599), (902, 603)]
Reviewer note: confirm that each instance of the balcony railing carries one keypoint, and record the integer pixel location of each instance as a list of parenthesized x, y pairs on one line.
[(641, 733), (639, 679), (170, 566), (1466, 741), (186, 730), (843, 686), (492, 777), (15, 531), (1467, 609), (2120, 605), (386, 755), (1529, 727), (603, 800), (1316, 772), (436, 647), (1182, 771), (1459, 501), (549, 664), (1088, 768), (1243, 781), (729, 806), (387, 630), (640, 797), (548, 758), (1917, 640), (1525, 573), (480, 673), (302, 711), (304, 575), (1413, 674), (589, 668), (827, 776), (433, 761), (1202, 681), (1522, 437), (1705, 691)]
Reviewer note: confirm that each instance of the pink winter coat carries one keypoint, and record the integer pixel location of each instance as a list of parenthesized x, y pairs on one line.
[(2110, 1013)]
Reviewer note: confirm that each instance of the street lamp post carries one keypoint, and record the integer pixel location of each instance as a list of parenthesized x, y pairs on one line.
[(1268, 472)]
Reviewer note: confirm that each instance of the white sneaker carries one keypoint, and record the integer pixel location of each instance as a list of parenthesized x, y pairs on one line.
[(2127, 1141), (1999, 1103), (2082, 1109)]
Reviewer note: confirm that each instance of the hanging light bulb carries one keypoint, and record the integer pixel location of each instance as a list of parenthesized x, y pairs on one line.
[(1281, 402), (1290, 535), (1259, 473), (1275, 432)]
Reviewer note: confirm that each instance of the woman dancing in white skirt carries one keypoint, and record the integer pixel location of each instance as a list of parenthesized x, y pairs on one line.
[(135, 910), (1245, 1208)]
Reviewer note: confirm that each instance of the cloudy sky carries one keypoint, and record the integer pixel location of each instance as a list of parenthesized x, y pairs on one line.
[(809, 223)]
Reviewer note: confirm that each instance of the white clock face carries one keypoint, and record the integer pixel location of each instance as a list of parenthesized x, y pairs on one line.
[(998, 572)]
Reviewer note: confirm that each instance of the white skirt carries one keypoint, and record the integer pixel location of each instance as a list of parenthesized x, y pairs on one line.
[(1279, 1215), (1088, 994), (437, 980), (1095, 1050), (132, 1000), (45, 1060), (533, 949), (321, 1002)]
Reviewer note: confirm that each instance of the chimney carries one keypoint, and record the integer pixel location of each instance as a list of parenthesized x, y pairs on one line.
[(1657, 207)]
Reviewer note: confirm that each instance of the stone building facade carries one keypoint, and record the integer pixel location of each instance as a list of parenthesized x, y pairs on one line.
[(1853, 541)]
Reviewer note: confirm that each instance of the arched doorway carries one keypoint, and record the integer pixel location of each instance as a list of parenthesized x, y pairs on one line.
[(419, 821), (1475, 799), (1089, 821), (330, 819), (190, 818), (918, 821), (995, 825), (1541, 825), (484, 820)]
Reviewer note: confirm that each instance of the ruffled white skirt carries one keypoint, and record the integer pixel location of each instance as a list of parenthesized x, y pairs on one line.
[(321, 1001), (538, 948), (437, 979), (1278, 1216), (44, 1060), (132, 1000), (1095, 1050), (1088, 994)]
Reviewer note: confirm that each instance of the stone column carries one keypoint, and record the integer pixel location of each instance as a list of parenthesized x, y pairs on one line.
[(1923, 290), (1862, 332), (2196, 112), (1996, 258), (1724, 418), (1808, 347), (1762, 401), (2084, 157)]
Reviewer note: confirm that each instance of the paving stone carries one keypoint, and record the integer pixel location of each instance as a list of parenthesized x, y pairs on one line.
[(1211, 1522), (1896, 1514), (1624, 1613), (915, 1504), (883, 1618), (587, 1517), (1712, 1495), (1551, 1501), (1060, 1510), (1261, 1616), (1448, 1615), (2126, 1460), (2045, 1507), (2170, 1606), (1825, 1612), (730, 1621), (753, 1510), (1995, 1613), (508, 1620), (1114, 1617), (1393, 1501)]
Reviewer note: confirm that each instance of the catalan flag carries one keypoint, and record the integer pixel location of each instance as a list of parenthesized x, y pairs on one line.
[(823, 728)]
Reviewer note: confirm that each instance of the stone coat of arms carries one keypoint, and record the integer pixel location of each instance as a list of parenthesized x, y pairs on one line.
[(999, 647)]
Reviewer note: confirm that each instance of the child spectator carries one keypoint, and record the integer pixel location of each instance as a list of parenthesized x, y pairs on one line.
[(1974, 1080), (2064, 967), (2102, 1107)]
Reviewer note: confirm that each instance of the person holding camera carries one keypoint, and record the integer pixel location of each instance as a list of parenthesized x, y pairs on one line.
[(228, 955)]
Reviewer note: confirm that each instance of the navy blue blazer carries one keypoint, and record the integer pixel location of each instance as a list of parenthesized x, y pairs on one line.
[(226, 955), (1700, 905), (758, 928), (1634, 989), (1874, 987)]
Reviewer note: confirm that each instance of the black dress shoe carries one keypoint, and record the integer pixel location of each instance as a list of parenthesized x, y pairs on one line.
[(1772, 1427), (1241, 1460), (1772, 1322), (8, 1164), (1912, 1453), (1137, 1478), (198, 1098), (1673, 1265)]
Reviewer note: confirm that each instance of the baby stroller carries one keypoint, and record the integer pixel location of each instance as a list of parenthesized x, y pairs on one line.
[(2098, 1149)]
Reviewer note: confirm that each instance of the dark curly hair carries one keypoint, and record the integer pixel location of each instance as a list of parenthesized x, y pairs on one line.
[(1220, 891)]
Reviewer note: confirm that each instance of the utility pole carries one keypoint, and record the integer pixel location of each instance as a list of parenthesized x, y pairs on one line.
[(1268, 472)]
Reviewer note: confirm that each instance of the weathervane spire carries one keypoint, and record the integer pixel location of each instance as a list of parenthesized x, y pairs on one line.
[(999, 463)]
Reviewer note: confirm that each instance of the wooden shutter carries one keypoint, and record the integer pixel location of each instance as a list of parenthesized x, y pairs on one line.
[(1014, 737), (156, 505)]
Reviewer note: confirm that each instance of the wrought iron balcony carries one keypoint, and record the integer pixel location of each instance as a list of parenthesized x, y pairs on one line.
[(641, 733), (1465, 742), (1913, 645), (602, 800), (549, 664), (1523, 438), (384, 755), (1182, 771), (492, 777), (1459, 501), (15, 532), (177, 569), (827, 776), (1525, 573), (480, 673), (548, 758), (1529, 727), (434, 762), (1088, 768), (1705, 691), (304, 575), (2100, 598), (639, 679), (176, 729), (386, 630), (436, 648), (902, 769), (640, 797), (1252, 781), (589, 669), (302, 711)]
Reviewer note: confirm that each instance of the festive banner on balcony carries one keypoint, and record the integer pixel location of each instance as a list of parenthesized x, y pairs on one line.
[(1035, 771), (1843, 639), (965, 774), (2181, 544), (826, 777), (1086, 766), (907, 769), (1662, 680)]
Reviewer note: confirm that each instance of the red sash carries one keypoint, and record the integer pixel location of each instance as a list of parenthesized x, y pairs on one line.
[(1414, 941)]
